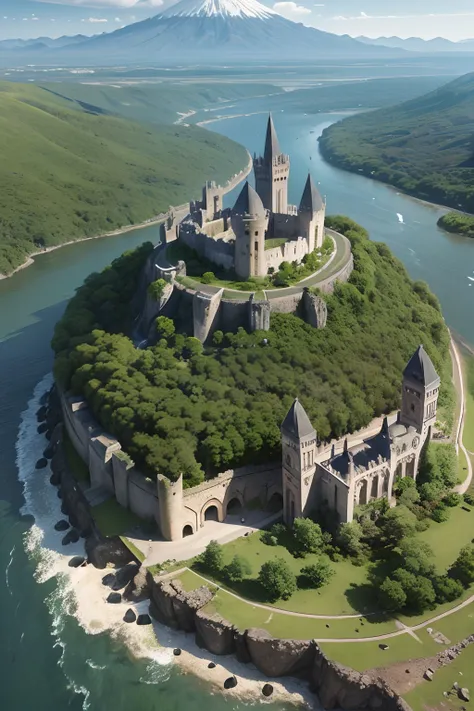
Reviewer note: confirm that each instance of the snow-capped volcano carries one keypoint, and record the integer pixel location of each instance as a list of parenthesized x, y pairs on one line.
[(210, 31), (220, 8)]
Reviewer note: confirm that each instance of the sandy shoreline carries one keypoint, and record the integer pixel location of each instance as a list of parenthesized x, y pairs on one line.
[(157, 642)]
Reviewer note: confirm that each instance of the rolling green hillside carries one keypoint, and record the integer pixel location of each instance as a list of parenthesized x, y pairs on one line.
[(424, 146), (67, 173)]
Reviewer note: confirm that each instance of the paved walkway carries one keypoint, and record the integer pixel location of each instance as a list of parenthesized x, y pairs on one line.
[(459, 382)]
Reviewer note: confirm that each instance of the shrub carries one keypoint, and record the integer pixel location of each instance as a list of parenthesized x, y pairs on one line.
[(440, 513), (237, 569), (391, 595), (419, 590), (267, 538), (469, 499), (453, 499), (212, 559), (308, 536), (277, 579), (156, 288), (316, 575), (447, 589), (208, 277), (463, 567)]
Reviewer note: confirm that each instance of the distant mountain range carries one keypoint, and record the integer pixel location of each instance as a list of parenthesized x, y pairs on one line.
[(416, 44), (41, 43), (204, 30)]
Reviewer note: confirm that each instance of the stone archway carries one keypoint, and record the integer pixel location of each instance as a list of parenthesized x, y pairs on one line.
[(234, 507), (275, 502), (363, 493), (211, 513), (187, 531), (374, 490), (410, 469)]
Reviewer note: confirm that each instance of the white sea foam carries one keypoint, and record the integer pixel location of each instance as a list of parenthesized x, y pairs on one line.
[(7, 571), (400, 218)]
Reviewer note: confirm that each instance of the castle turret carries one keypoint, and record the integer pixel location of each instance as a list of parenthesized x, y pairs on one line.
[(170, 502), (249, 223), (420, 393), (299, 448), (272, 173), (311, 213)]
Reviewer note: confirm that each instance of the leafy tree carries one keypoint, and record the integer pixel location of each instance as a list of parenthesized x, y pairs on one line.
[(277, 579), (419, 590), (463, 567), (156, 288), (416, 556), (317, 574), (392, 596), (446, 589), (208, 277), (165, 327), (308, 536), (237, 569), (453, 499), (349, 538), (440, 513), (396, 524), (213, 557)]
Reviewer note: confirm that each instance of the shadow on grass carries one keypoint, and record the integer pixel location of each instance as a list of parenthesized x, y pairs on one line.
[(248, 588)]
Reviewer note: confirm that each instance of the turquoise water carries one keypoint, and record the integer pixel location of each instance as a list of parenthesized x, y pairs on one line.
[(47, 660)]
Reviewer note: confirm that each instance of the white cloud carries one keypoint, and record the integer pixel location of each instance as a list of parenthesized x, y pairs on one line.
[(96, 19), (291, 9), (365, 16), (107, 3)]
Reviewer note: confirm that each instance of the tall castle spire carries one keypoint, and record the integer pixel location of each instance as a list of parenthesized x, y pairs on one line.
[(271, 173)]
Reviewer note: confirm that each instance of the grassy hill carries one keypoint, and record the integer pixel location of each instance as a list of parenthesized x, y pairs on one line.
[(67, 173), (424, 146)]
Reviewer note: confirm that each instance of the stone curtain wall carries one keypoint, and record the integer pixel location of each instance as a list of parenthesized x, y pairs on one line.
[(336, 686)]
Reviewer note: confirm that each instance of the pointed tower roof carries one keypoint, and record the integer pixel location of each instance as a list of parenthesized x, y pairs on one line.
[(297, 423), (420, 368), (272, 147), (311, 200), (248, 203)]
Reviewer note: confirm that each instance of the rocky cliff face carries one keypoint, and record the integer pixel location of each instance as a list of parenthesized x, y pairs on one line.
[(336, 685)]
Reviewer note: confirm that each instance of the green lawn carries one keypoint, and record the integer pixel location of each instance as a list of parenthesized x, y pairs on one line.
[(430, 694), (447, 539), (468, 437), (133, 548), (77, 466), (275, 242), (113, 520)]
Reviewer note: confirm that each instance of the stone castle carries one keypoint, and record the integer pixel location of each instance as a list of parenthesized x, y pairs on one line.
[(310, 475), (262, 230)]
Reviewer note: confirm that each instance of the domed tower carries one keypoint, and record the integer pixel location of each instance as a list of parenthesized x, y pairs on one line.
[(272, 173), (311, 213), (299, 449), (420, 393), (249, 223)]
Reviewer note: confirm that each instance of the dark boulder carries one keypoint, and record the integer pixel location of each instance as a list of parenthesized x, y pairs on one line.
[(143, 620), (42, 414), (108, 580), (41, 429), (124, 575), (211, 665), (101, 551), (77, 561), (48, 452), (71, 536), (177, 652), (44, 398), (130, 616), (48, 434), (138, 589), (55, 478), (114, 598), (267, 690), (230, 682), (41, 463), (61, 525), (59, 494)]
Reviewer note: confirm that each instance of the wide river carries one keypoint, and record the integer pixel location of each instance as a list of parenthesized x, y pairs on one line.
[(47, 660)]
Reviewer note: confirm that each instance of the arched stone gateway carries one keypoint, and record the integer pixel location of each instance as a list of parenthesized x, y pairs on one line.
[(187, 531), (234, 507), (363, 498), (275, 502), (211, 513)]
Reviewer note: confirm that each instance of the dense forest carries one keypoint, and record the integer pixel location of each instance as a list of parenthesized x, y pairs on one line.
[(67, 172), (424, 146), (180, 407), (457, 223)]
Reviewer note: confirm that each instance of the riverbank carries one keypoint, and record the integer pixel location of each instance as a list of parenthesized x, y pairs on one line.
[(158, 219)]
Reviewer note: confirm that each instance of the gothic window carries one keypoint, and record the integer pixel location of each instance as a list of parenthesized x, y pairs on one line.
[(256, 234), (256, 246), (288, 460)]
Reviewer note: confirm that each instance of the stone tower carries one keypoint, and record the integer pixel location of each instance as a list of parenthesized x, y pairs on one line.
[(249, 223), (420, 393), (298, 462), (271, 173), (311, 213)]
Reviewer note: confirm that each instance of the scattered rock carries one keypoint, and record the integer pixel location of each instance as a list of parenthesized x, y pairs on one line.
[(177, 652), (455, 686), (407, 671), (48, 453), (230, 683), (124, 576), (42, 414), (108, 580), (41, 463), (138, 589), (44, 398), (211, 665), (143, 620), (41, 429), (327, 626), (384, 647), (59, 494), (129, 616), (71, 536), (114, 598), (429, 674), (357, 630), (267, 690), (61, 525), (48, 434), (464, 694), (77, 561)]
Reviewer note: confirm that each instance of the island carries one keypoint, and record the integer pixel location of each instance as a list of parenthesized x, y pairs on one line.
[(273, 458), (457, 223)]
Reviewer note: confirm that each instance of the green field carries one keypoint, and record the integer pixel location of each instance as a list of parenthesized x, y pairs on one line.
[(68, 173), (447, 539), (468, 437), (113, 520)]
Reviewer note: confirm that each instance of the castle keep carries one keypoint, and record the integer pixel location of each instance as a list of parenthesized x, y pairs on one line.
[(311, 474)]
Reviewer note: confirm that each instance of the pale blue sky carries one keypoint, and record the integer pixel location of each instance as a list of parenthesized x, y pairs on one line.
[(424, 18)]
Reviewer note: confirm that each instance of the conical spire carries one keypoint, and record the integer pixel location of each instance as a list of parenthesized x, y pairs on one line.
[(248, 203), (272, 147), (311, 200), (420, 368), (297, 423)]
